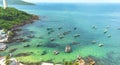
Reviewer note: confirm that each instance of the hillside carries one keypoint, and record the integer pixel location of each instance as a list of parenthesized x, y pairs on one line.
[(19, 2), (12, 17)]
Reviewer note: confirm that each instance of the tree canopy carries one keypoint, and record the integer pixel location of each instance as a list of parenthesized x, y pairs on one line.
[(11, 16)]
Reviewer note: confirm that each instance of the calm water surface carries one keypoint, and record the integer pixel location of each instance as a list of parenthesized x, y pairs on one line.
[(68, 16)]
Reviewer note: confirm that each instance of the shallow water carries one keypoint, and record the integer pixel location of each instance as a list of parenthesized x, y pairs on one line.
[(68, 16)]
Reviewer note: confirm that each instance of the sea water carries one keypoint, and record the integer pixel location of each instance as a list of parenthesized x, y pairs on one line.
[(69, 16)]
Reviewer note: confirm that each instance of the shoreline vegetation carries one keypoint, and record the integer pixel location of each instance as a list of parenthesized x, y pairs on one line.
[(11, 18)]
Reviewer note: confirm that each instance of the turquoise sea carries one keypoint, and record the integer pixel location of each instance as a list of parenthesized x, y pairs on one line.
[(69, 16)]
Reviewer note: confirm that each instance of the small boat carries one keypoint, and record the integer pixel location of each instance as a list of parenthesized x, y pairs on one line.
[(67, 32), (109, 36), (94, 42), (77, 35), (105, 31), (49, 28), (94, 27), (59, 28), (101, 44), (52, 39), (75, 28)]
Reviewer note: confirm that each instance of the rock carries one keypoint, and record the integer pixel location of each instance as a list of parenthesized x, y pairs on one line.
[(2, 46), (68, 49), (91, 61), (56, 52), (80, 61), (13, 61), (79, 57)]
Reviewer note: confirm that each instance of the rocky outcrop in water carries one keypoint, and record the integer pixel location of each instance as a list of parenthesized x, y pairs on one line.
[(2, 46), (68, 49)]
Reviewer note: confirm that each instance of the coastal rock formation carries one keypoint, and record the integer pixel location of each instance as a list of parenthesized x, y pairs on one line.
[(87, 61), (79, 61), (13, 61), (68, 49), (91, 61), (2, 46), (3, 36)]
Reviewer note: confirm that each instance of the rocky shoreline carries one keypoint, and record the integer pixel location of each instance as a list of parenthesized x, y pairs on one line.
[(15, 28), (78, 61)]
